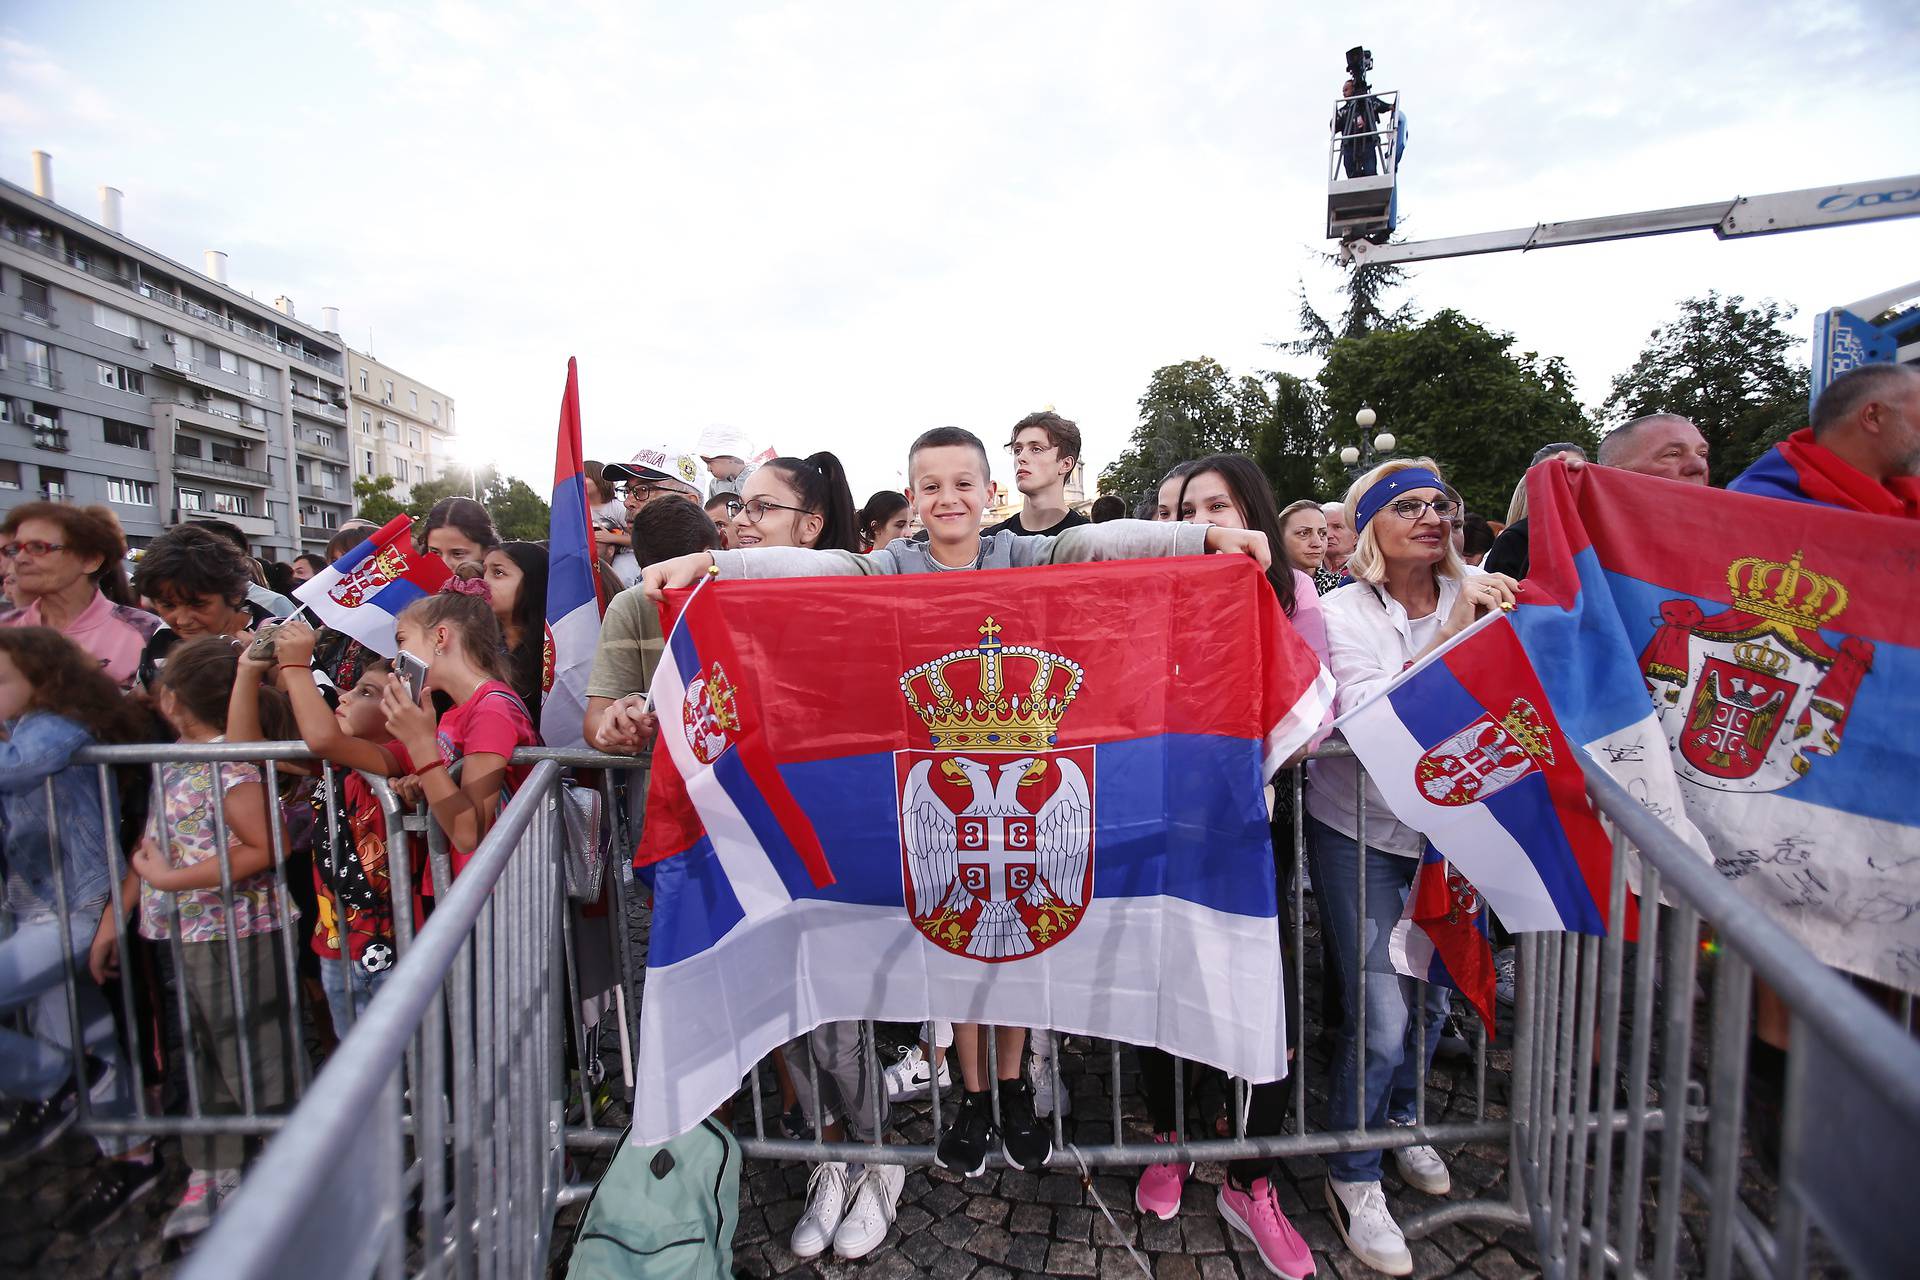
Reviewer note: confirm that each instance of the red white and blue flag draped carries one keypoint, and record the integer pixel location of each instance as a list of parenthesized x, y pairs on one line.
[(363, 591), (574, 605), (1442, 935), (1749, 668), (1466, 750), (1038, 795)]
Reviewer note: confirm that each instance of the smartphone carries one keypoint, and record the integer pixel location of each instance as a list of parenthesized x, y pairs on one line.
[(413, 671)]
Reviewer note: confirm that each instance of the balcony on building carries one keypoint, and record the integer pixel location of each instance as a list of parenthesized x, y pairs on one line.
[(251, 525), (202, 414), (232, 473), (42, 375)]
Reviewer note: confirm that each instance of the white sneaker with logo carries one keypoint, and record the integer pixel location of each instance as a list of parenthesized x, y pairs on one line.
[(1360, 1212), (826, 1207), (913, 1075), (1421, 1167), (875, 1199)]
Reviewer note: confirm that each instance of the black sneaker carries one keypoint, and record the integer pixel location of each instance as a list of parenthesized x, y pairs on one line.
[(38, 1125), (963, 1147), (114, 1185), (1023, 1139)]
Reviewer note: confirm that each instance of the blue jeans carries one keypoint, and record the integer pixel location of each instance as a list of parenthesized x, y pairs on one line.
[(1394, 1064), (33, 1067), (342, 979)]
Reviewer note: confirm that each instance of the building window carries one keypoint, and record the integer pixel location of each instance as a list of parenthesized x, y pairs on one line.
[(387, 392), (390, 430), (229, 363), (434, 407), (413, 437), (35, 301), (186, 446), (254, 413), (9, 475), (366, 422), (419, 473), (190, 500), (256, 379), (53, 484), (122, 378), (366, 462), (129, 493), (324, 439), (127, 435), (117, 321), (413, 401), (232, 504), (232, 454), (38, 360), (363, 380), (398, 469)]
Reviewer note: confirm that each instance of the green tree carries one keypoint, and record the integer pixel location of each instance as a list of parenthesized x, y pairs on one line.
[(518, 512), (373, 499), (1727, 366), (1364, 286), (1453, 390), (1292, 441), (1189, 410)]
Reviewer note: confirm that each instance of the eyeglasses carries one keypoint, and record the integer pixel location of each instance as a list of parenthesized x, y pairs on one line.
[(1032, 449), (756, 509), (637, 489), (1411, 509), (35, 548)]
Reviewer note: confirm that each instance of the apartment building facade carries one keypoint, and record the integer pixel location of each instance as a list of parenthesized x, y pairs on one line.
[(129, 379), (400, 427)]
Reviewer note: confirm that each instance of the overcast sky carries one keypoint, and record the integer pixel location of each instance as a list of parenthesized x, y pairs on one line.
[(834, 225)]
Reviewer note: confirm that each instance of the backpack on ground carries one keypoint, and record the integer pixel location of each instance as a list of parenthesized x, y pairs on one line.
[(663, 1212)]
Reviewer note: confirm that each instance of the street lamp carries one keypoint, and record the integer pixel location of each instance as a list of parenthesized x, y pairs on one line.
[(1354, 456)]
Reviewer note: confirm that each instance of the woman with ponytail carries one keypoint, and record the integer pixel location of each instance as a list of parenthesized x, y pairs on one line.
[(797, 502), (885, 517)]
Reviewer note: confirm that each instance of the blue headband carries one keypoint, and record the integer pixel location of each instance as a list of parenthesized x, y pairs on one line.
[(1390, 488)]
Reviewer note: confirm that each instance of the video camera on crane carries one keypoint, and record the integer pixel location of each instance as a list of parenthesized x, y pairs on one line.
[(1369, 136)]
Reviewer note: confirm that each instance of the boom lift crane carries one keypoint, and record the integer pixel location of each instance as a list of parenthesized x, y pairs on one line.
[(1362, 207)]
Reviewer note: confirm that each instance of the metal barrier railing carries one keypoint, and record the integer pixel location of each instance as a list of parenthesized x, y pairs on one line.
[(1625, 1138)]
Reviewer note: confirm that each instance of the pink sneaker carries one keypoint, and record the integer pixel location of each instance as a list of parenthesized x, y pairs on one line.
[(1256, 1215), (1158, 1191)]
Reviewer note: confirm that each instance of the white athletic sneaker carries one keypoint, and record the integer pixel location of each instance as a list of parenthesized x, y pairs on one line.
[(1360, 1212), (875, 1198), (1040, 1072), (1503, 988), (1421, 1167), (913, 1075), (826, 1207)]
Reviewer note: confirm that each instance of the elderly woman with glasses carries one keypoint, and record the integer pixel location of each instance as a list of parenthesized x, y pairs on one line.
[(62, 558), (1410, 594)]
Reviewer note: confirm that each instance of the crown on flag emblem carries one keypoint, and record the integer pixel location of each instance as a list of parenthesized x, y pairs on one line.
[(1529, 730), (1785, 593), (385, 566), (994, 696)]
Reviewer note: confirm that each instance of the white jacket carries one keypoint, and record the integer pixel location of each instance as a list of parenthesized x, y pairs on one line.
[(1369, 643)]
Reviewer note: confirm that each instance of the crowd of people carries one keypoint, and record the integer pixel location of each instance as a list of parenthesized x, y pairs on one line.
[(201, 644)]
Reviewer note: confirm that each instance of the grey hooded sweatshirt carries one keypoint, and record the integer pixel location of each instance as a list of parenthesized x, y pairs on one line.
[(1114, 540)]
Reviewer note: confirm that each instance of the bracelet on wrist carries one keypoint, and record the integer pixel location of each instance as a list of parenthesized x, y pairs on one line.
[(422, 771)]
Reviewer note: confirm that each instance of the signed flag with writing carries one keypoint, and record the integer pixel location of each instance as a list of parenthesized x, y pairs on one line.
[(1749, 668), (363, 591), (1039, 794)]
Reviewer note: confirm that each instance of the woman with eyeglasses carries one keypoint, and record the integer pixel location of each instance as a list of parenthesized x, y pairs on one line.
[(797, 502), (1410, 594), (60, 560)]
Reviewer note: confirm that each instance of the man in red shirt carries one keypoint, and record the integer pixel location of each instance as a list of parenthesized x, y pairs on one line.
[(1862, 451)]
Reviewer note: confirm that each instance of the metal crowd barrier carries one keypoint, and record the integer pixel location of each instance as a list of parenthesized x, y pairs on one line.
[(1625, 1142)]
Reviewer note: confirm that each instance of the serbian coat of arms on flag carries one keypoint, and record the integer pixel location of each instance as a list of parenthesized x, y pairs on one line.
[(996, 827)]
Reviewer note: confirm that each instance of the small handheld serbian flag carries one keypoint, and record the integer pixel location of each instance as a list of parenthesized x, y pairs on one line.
[(1442, 935), (363, 591), (1466, 750)]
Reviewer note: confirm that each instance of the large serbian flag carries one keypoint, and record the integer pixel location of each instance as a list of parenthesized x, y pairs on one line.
[(1752, 664), (363, 591), (1038, 793), (573, 585), (1465, 749)]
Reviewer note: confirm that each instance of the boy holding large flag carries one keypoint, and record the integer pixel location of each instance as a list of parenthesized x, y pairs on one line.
[(986, 919)]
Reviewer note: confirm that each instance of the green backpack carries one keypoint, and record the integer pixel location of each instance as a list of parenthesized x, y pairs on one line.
[(665, 1212)]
